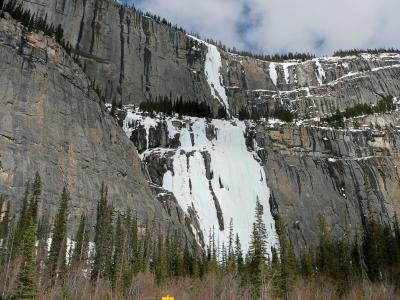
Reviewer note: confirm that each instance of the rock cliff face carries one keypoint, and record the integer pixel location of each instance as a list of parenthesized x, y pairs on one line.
[(132, 57), (313, 88), (129, 56), (343, 175), (51, 121)]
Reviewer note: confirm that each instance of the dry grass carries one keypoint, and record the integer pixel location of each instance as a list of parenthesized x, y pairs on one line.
[(143, 286), (320, 289)]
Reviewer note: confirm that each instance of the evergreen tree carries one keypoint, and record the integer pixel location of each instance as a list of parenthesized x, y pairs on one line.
[(116, 271), (287, 257), (276, 272), (81, 243), (26, 285), (195, 261), (174, 261), (103, 238), (6, 230), (161, 262), (372, 249), (324, 255), (23, 220), (258, 252), (187, 260), (58, 248), (306, 263), (231, 255), (43, 235), (355, 258), (35, 198), (4, 218), (244, 114), (239, 255), (212, 253), (135, 255)]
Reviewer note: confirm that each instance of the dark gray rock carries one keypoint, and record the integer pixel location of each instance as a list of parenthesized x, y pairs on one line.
[(342, 175), (52, 122)]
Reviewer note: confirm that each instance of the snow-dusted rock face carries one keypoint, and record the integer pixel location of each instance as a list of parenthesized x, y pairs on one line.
[(132, 58), (212, 71), (308, 171), (313, 88), (211, 171)]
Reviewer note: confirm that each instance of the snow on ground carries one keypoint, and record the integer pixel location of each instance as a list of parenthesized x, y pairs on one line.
[(212, 68), (238, 179), (272, 73)]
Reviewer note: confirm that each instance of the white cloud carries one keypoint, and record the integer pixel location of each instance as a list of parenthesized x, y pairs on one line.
[(319, 26)]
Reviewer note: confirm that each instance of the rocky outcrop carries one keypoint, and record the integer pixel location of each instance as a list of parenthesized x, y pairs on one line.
[(313, 88), (51, 121), (343, 175), (132, 57)]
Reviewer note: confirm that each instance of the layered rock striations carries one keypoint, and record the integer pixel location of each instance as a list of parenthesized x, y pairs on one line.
[(345, 176), (52, 122), (133, 58)]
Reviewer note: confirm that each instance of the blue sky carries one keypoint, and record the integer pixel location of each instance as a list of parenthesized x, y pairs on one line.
[(272, 26)]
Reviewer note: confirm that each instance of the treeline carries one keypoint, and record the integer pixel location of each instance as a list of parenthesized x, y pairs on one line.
[(255, 114), (187, 108), (203, 110), (352, 52), (34, 22), (39, 258), (267, 57), (37, 255), (386, 104), (154, 17), (373, 256), (274, 57)]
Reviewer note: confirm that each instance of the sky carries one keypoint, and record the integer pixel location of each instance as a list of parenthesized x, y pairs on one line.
[(281, 26)]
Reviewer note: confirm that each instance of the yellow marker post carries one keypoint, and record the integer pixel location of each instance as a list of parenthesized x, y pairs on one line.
[(168, 298)]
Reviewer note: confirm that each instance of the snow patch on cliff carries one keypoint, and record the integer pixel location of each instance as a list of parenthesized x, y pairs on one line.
[(232, 184), (320, 72), (238, 180), (212, 68), (272, 73)]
